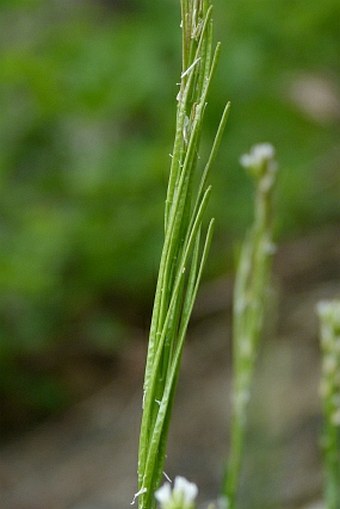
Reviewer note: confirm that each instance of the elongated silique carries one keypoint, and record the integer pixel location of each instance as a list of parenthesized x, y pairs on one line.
[(184, 251)]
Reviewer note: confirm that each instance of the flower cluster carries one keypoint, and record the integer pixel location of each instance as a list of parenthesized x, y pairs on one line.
[(182, 495), (260, 163)]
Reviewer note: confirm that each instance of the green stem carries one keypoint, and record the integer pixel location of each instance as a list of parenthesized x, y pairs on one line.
[(248, 315), (329, 313), (182, 260)]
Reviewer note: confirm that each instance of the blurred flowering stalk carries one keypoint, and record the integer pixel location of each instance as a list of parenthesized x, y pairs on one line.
[(183, 254), (329, 314), (249, 304)]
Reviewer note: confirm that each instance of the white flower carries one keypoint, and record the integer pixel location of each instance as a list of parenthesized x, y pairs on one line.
[(260, 162), (181, 497), (258, 155)]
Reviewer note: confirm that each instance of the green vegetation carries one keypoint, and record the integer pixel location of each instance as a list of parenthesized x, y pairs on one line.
[(329, 314), (184, 253), (249, 303), (87, 101)]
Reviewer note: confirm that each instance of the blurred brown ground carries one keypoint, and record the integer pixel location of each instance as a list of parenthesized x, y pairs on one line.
[(87, 458)]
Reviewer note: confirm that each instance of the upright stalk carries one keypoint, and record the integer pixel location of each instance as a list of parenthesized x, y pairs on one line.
[(249, 306), (329, 314), (183, 254)]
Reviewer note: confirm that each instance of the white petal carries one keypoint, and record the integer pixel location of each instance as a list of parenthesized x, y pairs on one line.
[(187, 489), (246, 160), (263, 151), (163, 494)]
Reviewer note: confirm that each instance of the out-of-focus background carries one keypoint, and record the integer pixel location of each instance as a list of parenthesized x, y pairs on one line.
[(87, 92)]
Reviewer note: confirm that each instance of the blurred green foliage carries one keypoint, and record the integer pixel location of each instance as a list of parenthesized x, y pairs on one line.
[(87, 94)]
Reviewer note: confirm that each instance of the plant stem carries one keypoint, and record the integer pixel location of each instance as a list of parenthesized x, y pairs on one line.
[(329, 314), (248, 311), (183, 256)]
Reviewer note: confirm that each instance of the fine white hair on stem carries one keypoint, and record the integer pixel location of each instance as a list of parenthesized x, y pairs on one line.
[(190, 68), (138, 494), (167, 477)]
